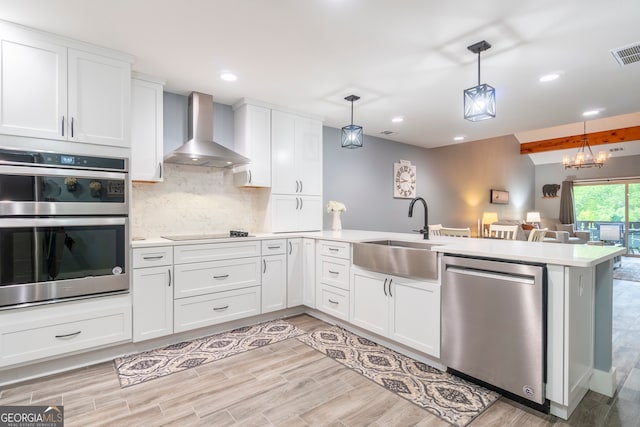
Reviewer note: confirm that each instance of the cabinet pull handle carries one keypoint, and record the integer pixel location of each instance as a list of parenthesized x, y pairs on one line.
[(334, 249), (301, 186), (264, 266), (273, 247), (62, 125), (169, 270), (220, 308), (71, 127), (250, 177), (160, 166), (221, 277), (334, 272), (390, 294), (148, 258), (72, 334), (384, 286), (297, 186), (301, 201), (290, 248), (333, 302), (297, 203)]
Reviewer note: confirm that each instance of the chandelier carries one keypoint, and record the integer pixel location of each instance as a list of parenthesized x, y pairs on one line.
[(584, 158)]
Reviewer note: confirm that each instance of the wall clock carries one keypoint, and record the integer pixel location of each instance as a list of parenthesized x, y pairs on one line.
[(404, 180)]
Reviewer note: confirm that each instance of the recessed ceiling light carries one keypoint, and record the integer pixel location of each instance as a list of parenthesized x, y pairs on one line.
[(549, 77), (228, 77), (397, 119), (591, 113), (458, 138), (195, 159)]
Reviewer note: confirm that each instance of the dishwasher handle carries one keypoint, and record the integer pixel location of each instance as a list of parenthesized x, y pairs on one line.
[(496, 275)]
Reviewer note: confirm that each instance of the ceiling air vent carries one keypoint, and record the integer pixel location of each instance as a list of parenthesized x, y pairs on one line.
[(614, 150), (387, 132), (627, 55)]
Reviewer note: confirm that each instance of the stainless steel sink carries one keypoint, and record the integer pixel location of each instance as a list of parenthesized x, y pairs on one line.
[(398, 257)]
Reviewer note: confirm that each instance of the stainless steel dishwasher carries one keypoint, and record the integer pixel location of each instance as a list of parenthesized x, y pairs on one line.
[(494, 325)]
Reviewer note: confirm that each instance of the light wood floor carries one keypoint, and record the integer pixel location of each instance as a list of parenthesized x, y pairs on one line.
[(290, 384)]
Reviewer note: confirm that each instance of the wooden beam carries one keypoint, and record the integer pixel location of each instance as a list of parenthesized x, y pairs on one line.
[(596, 138)]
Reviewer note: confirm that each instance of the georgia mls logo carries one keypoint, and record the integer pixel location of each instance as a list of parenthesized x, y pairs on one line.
[(31, 416)]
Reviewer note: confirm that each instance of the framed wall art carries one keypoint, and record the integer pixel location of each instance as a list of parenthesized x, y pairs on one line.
[(499, 197)]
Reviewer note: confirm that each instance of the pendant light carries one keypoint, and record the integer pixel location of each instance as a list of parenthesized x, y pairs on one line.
[(479, 101), (352, 134), (584, 160)]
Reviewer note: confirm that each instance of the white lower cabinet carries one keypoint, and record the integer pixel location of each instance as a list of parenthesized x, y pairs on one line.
[(152, 302), (45, 331), (404, 310), (274, 283), (219, 307), (333, 261), (152, 290), (309, 273), (333, 301), (295, 272)]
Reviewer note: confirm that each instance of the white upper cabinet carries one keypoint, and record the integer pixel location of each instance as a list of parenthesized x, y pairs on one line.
[(33, 87), (253, 140), (296, 145), (99, 99), (147, 141), (58, 88)]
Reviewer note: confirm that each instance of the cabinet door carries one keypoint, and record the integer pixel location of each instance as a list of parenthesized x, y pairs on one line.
[(33, 88), (253, 140), (309, 273), (415, 314), (295, 272), (99, 99), (370, 301), (284, 213), (146, 131), (274, 283), (152, 303), (309, 155), (310, 213), (283, 149)]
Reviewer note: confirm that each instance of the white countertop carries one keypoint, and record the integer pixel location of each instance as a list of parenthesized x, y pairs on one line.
[(539, 252)]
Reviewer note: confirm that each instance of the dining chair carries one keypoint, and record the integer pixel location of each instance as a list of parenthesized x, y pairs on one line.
[(537, 235), (455, 232), (434, 229), (507, 232)]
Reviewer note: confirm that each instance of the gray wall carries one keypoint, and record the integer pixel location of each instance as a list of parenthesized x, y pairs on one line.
[(454, 180), (615, 167)]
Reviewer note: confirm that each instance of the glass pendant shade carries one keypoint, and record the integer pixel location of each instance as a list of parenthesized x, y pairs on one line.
[(480, 103), (352, 136), (480, 100)]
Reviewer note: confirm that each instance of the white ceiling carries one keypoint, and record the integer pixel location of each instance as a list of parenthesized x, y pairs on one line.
[(403, 58)]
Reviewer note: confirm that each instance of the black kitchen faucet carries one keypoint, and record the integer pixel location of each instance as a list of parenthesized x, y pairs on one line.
[(425, 230)]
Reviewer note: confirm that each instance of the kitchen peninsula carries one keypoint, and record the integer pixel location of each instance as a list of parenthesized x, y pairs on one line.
[(579, 299)]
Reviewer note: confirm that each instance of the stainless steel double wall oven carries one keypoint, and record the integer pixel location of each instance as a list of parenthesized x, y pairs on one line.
[(63, 226)]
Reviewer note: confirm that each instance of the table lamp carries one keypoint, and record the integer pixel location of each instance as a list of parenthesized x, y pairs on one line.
[(488, 218), (533, 218)]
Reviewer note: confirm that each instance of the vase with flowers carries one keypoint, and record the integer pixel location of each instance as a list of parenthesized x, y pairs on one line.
[(336, 208)]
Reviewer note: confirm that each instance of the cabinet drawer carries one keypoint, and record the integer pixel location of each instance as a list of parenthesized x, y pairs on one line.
[(216, 251), (205, 277), (82, 327), (206, 310), (335, 249), (334, 272), (273, 247), (152, 257), (333, 301)]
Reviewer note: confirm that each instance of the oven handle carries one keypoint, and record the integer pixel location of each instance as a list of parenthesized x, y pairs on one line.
[(60, 222), (47, 171)]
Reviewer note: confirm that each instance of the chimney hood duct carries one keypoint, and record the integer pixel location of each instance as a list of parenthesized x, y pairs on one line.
[(200, 149)]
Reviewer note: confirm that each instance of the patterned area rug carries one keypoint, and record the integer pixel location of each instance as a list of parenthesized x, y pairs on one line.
[(444, 395), (628, 271), (152, 364)]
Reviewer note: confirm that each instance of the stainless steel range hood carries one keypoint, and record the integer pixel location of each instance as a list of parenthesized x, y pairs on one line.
[(200, 149)]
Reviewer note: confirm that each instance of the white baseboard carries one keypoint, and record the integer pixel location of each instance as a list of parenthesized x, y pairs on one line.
[(604, 382)]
